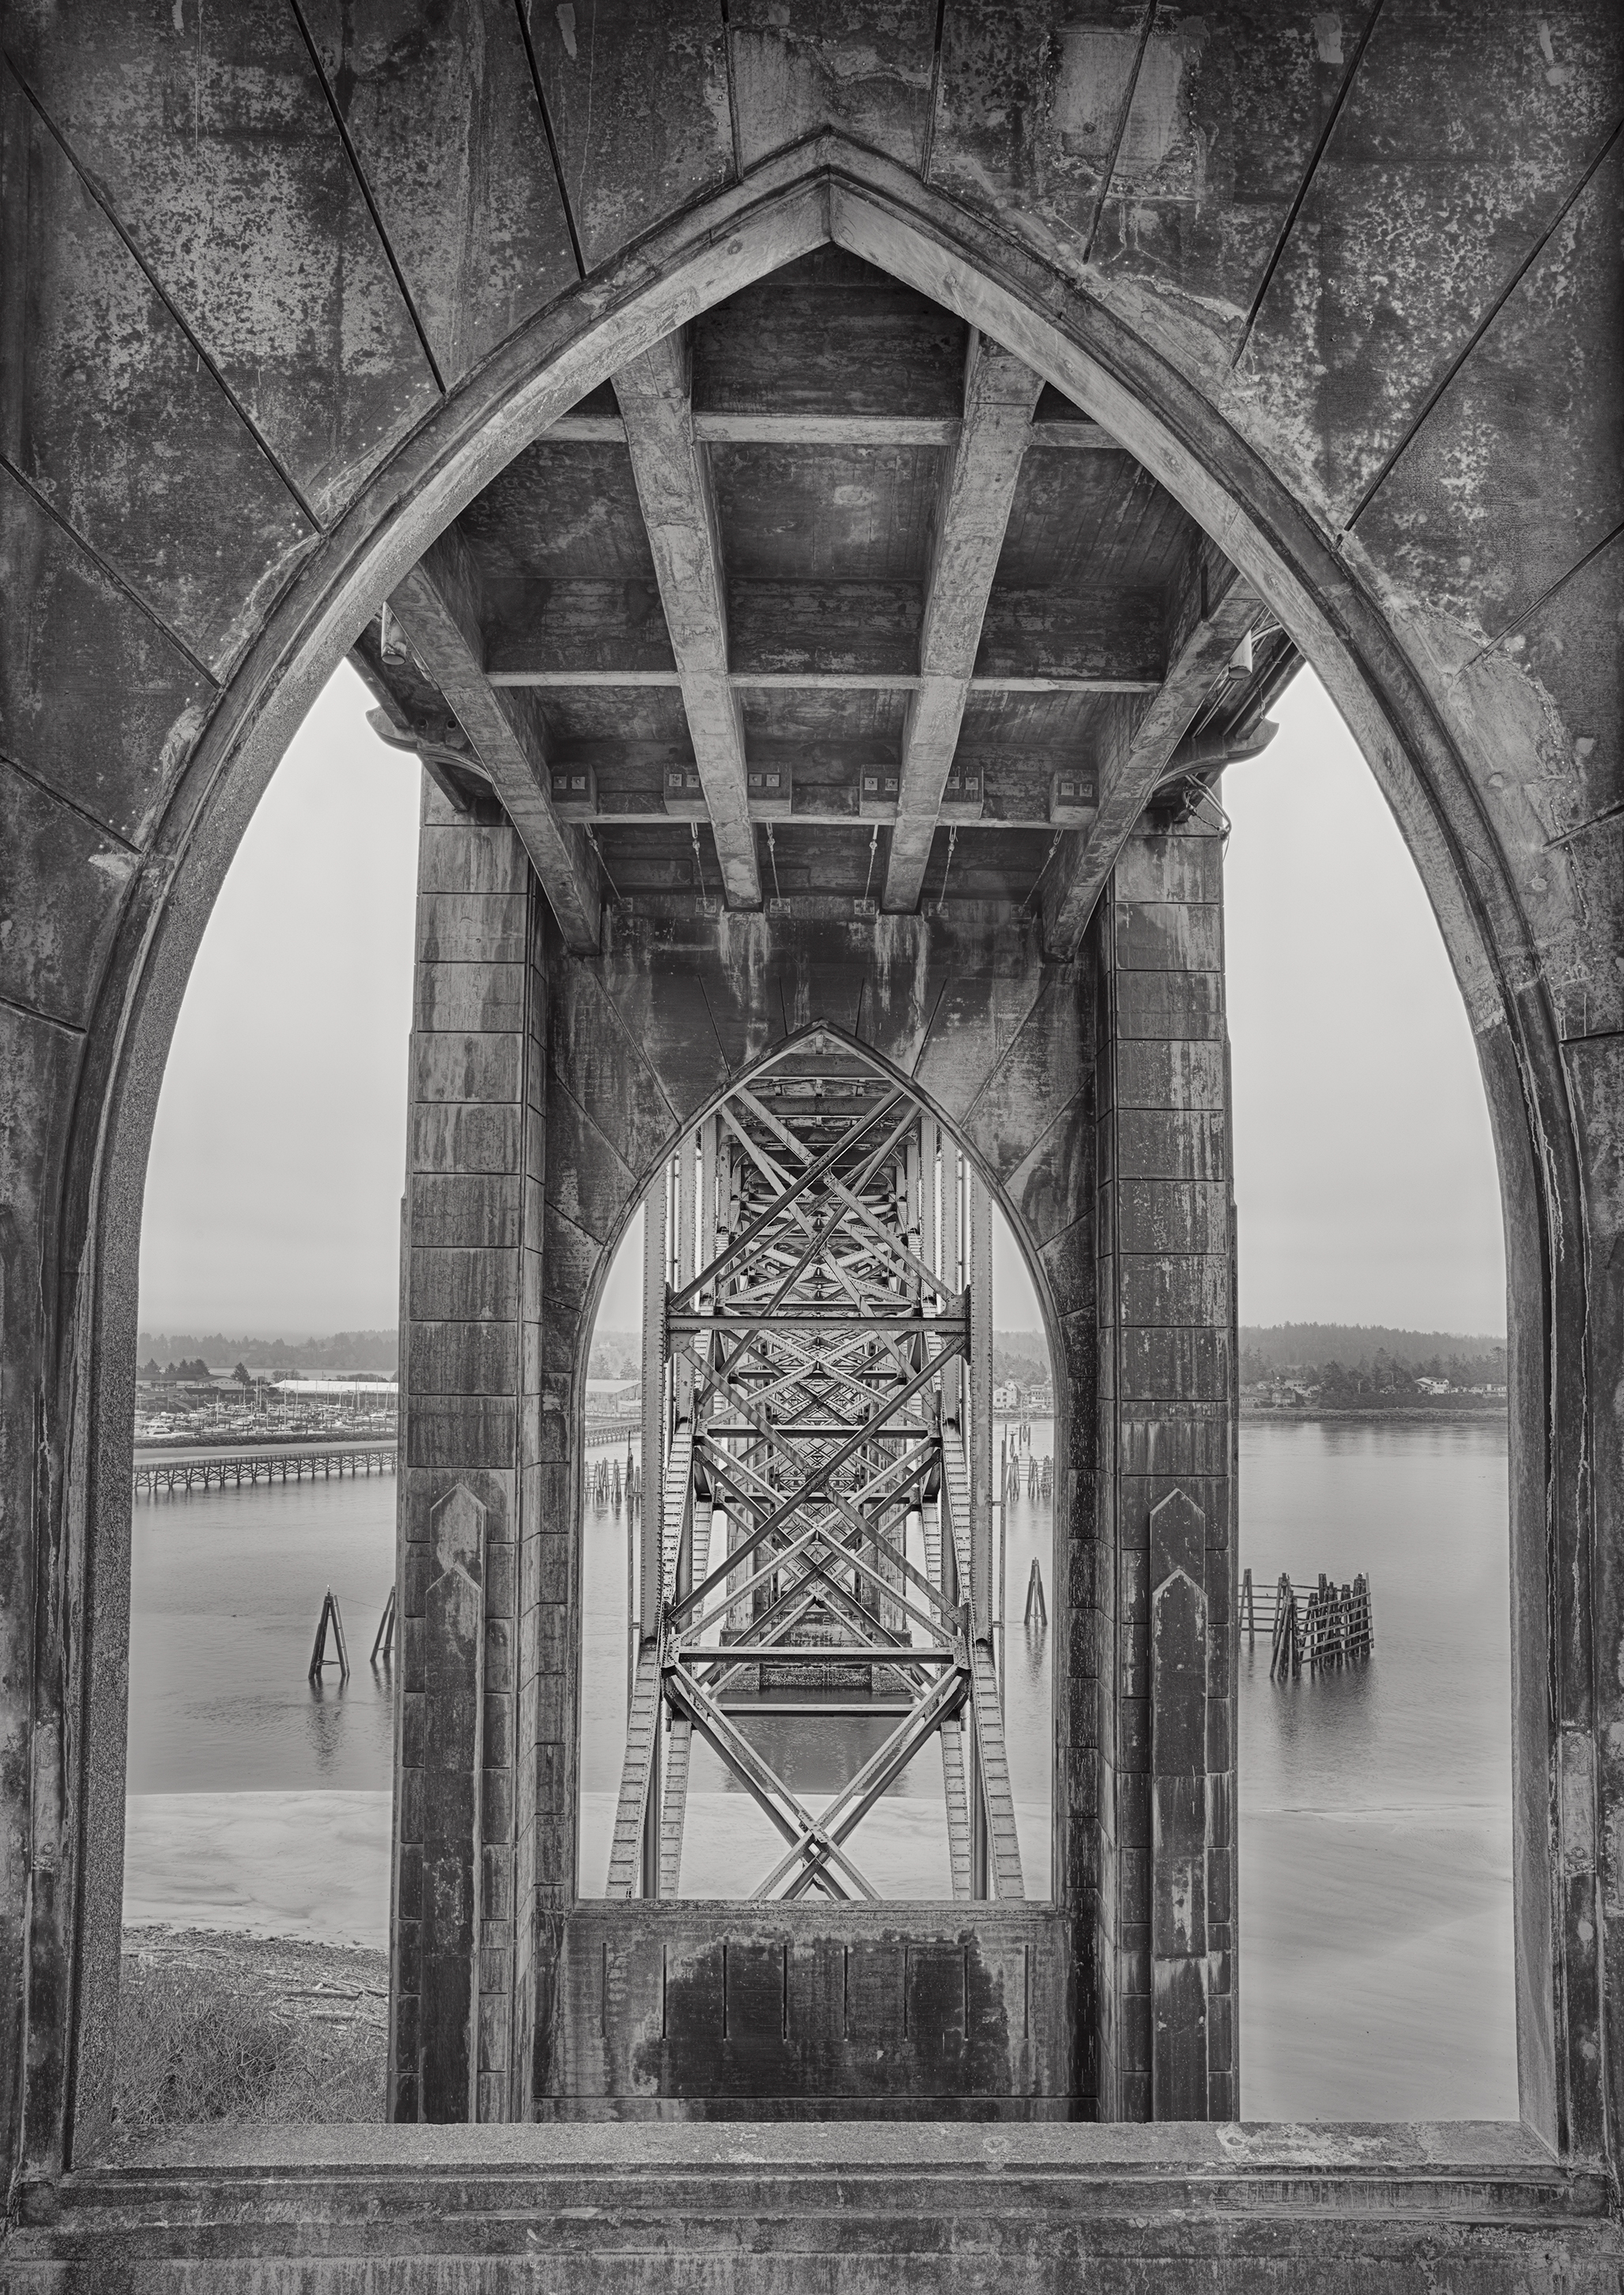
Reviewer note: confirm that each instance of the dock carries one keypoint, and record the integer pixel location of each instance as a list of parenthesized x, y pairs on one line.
[(233, 1469)]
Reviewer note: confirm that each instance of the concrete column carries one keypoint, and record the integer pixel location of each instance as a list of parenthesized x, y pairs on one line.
[(657, 1261), (979, 1457), (951, 1261), (470, 1502), (1179, 1817), (1167, 1340)]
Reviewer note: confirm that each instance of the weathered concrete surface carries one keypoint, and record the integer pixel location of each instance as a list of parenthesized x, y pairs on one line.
[(1181, 1820), (486, 1678), (1353, 301), (787, 2011), (1466, 2209), (1166, 1420)]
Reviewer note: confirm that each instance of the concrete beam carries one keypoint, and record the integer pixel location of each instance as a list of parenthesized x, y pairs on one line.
[(438, 607), (815, 681), (1213, 609), (674, 488), (999, 393), (1073, 434), (819, 635)]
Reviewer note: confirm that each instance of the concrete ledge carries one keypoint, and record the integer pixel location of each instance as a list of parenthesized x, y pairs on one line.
[(1477, 2207)]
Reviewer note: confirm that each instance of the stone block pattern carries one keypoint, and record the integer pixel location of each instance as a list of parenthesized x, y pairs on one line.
[(471, 1343), (1166, 1413)]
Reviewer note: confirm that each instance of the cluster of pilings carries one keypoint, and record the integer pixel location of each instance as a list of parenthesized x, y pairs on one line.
[(1029, 1478), (606, 1486), (1319, 1626)]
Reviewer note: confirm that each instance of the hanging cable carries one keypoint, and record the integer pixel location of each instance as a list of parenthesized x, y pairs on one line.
[(952, 844), (1054, 846), (592, 838), (873, 849), (772, 855), (698, 858), (1223, 822)]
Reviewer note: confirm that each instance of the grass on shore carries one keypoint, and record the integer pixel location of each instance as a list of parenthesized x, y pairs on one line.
[(225, 2027)]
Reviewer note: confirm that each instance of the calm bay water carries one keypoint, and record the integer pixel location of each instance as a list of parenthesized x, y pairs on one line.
[(225, 1590), (1376, 1889), (1376, 1968)]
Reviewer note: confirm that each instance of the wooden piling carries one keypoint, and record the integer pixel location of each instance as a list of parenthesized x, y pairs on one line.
[(384, 1638), (318, 1656), (1036, 1607)]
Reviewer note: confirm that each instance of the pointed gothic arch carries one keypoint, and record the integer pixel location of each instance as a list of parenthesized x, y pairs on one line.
[(832, 188)]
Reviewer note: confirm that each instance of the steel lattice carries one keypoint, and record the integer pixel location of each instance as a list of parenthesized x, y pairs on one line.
[(812, 1399)]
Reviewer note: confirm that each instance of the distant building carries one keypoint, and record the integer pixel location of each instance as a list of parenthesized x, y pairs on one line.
[(1286, 1394), (340, 1390)]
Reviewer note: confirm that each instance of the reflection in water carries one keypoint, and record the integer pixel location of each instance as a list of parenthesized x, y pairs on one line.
[(324, 1722), (1320, 1725)]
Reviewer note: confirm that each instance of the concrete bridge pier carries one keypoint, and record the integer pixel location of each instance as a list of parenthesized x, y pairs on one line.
[(547, 1089)]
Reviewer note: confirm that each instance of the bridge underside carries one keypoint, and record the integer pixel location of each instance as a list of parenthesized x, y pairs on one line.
[(822, 725)]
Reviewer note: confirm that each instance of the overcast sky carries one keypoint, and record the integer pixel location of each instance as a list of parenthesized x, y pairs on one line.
[(1365, 1175)]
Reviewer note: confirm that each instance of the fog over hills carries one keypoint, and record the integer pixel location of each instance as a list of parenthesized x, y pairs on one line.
[(337, 1351), (1021, 1355), (1284, 1346)]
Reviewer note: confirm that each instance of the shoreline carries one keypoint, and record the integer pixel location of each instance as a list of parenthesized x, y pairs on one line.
[(180, 1446), (1409, 1414)]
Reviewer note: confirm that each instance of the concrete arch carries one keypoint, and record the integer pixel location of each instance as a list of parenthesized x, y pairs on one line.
[(1045, 1115), (1432, 766)]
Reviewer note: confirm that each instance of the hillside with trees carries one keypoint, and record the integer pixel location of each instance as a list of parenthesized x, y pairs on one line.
[(339, 1355), (1020, 1358), (1367, 1366)]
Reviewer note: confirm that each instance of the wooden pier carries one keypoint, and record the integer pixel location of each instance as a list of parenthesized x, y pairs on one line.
[(231, 1471), (611, 1427)]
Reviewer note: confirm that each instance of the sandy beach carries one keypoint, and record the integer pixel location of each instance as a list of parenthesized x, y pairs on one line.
[(1376, 1929), (309, 1864)]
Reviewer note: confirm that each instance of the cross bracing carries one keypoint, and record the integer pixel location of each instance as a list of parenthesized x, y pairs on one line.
[(810, 1541)]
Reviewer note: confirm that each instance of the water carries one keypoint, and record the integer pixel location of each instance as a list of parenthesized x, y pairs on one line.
[(1375, 1862), (1376, 1970), (225, 1590)]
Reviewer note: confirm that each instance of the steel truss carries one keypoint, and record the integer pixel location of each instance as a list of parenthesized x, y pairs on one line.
[(816, 1531)]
